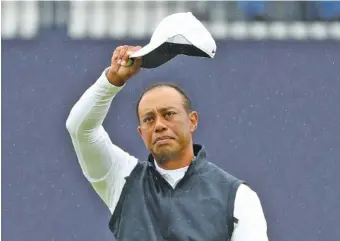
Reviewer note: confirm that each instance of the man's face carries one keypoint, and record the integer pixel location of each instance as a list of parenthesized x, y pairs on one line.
[(165, 126)]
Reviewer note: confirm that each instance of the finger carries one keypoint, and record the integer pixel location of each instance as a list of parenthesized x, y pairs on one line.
[(126, 61), (120, 51), (122, 54), (114, 60), (115, 54)]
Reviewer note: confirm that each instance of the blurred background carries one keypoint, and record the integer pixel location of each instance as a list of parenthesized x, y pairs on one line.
[(137, 19), (268, 104)]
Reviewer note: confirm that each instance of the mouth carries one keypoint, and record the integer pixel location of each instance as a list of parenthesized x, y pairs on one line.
[(163, 139)]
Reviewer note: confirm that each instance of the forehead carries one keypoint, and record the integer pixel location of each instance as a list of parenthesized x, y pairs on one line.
[(161, 97)]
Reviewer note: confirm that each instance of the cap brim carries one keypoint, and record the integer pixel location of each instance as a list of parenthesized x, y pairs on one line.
[(146, 50), (153, 55)]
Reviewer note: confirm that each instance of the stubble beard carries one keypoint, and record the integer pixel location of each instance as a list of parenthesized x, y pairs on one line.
[(165, 155)]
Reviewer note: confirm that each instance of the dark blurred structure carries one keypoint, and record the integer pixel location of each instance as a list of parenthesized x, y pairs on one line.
[(268, 104)]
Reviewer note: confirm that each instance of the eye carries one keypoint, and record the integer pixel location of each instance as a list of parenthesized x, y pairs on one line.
[(170, 113), (147, 119)]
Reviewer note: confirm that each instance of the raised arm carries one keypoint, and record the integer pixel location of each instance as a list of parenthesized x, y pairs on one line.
[(104, 164)]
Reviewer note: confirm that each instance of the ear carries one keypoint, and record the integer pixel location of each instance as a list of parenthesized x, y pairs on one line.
[(193, 118), (140, 131)]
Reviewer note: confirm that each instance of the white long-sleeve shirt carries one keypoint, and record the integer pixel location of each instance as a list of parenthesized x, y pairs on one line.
[(105, 165)]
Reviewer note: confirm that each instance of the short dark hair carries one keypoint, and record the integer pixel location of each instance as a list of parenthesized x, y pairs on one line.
[(186, 100)]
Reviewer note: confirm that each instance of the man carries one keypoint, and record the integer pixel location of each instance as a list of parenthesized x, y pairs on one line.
[(176, 194)]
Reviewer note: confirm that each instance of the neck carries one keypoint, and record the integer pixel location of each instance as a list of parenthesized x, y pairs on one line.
[(183, 159)]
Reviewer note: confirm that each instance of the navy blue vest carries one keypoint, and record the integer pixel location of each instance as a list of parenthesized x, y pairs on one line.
[(200, 208)]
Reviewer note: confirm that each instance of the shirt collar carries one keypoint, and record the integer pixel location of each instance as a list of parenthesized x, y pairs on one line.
[(163, 171)]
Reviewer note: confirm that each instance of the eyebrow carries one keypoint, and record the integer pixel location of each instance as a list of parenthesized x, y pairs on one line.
[(149, 112)]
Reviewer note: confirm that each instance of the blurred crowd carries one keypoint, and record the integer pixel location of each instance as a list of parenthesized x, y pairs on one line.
[(137, 19), (269, 10), (309, 10)]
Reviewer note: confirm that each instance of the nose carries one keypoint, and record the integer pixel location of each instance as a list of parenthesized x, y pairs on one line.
[(159, 125)]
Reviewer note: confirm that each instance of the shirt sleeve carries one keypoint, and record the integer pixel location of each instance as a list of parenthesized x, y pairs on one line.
[(104, 164), (252, 225)]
